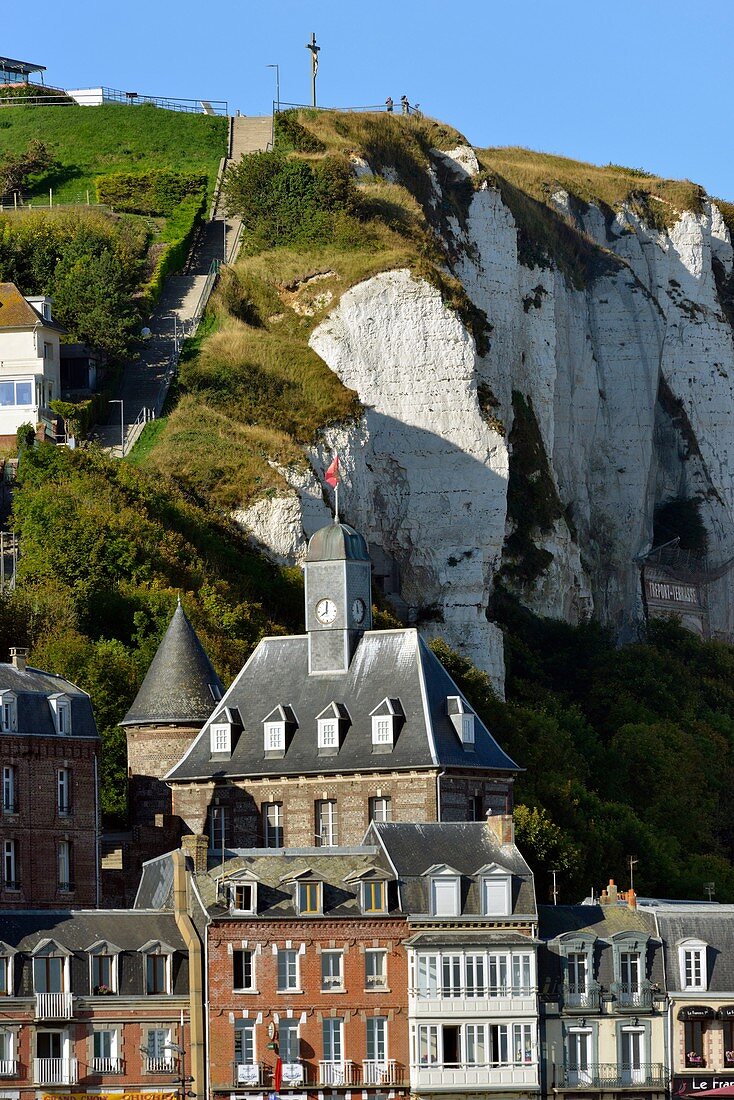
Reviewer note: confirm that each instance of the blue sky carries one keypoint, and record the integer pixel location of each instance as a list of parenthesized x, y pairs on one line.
[(641, 83)]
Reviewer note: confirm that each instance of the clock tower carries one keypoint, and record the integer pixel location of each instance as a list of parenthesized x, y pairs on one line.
[(338, 597)]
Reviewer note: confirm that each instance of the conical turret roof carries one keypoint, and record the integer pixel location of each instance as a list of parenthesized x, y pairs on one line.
[(180, 687)]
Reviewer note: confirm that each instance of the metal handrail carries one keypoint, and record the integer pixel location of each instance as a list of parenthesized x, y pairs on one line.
[(615, 1075), (115, 95)]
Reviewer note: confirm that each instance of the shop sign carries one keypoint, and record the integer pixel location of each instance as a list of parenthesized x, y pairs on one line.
[(696, 1012), (110, 1096), (698, 1083), (726, 1012)]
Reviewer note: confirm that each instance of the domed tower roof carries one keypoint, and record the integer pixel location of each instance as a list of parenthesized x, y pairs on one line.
[(180, 687), (337, 542)]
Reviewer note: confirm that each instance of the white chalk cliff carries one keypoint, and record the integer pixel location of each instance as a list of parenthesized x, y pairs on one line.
[(630, 380)]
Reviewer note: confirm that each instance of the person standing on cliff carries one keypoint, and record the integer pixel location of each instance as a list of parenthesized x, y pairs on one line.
[(404, 104), (389, 104)]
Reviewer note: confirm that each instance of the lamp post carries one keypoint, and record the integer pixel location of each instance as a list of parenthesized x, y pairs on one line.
[(277, 86), (121, 403), (182, 1078)]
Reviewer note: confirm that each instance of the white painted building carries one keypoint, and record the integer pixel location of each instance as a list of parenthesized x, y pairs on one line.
[(30, 363)]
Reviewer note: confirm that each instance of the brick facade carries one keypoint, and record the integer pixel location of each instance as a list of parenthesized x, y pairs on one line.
[(39, 825), (310, 1004)]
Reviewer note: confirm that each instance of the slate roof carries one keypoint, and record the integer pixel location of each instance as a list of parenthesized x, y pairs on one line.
[(467, 846), (337, 542), (155, 888), (32, 689), (180, 687), (603, 922), (17, 313), (393, 663), (78, 929), (715, 926)]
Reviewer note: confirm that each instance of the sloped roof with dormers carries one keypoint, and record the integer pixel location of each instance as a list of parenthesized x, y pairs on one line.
[(33, 689)]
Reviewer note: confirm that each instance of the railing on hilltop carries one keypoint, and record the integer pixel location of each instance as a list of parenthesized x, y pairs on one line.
[(280, 106), (98, 96)]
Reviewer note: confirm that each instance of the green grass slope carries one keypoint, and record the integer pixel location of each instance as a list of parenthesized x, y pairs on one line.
[(91, 141)]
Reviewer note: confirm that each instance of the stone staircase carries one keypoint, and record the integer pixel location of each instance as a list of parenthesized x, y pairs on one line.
[(246, 135)]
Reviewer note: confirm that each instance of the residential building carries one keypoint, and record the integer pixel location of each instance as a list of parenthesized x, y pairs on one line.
[(469, 900), (323, 732), (49, 758), (30, 362), (699, 964), (95, 1001), (603, 1000)]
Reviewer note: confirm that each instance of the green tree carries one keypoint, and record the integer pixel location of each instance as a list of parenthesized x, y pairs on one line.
[(93, 299)]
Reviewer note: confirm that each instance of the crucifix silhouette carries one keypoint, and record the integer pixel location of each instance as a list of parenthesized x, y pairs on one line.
[(314, 65)]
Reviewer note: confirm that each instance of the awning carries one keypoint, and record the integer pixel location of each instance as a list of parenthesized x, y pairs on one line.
[(726, 1012), (696, 1012)]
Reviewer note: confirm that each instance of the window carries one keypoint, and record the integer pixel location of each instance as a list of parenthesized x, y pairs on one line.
[(49, 974), (326, 823), (498, 976), (10, 865), (274, 735), (381, 808), (693, 964), (48, 1044), (496, 895), (6, 975), (288, 1044), (64, 858), (104, 1051), (103, 974), (63, 792), (467, 729), (522, 981), (428, 1045), (476, 1044), (244, 1042), (160, 1056), (373, 897), (580, 1058), (382, 729), (728, 1027), (221, 738), (309, 897), (157, 974), (244, 897), (62, 714), (376, 1038), (577, 966), (499, 1044), (10, 805), (332, 970), (475, 972), (328, 733), (16, 393), (287, 969), (243, 967), (445, 897), (522, 1044), (451, 984), (629, 965), (217, 828), (375, 969), (694, 1031), (428, 975), (633, 1055), (333, 1036), (7, 1055), (476, 808), (9, 713), (273, 824)]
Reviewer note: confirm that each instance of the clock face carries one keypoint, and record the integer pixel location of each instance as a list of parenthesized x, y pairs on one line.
[(326, 611), (358, 610)]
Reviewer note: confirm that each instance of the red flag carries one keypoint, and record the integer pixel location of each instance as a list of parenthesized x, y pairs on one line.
[(332, 474), (278, 1075)]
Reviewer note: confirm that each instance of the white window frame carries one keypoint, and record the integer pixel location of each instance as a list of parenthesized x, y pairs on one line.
[(333, 1039), (383, 730), (697, 950), (376, 1035), (112, 956), (276, 830), (503, 880), (328, 733), (220, 738), (10, 863), (10, 789), (252, 987), (274, 737), (161, 1052), (330, 982), (327, 823), (166, 974), (383, 802), (61, 708), (7, 987), (114, 1054), (467, 729), (243, 886), (217, 827), (291, 970), (578, 966), (375, 968), (63, 792), (289, 1049), (64, 853), (444, 881), (8, 712), (10, 1035), (245, 1029)]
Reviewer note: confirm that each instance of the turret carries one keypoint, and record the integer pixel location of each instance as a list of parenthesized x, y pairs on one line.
[(338, 594)]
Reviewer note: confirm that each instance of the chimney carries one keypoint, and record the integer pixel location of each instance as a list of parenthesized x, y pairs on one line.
[(196, 845), (631, 898), (502, 827), (18, 657), (609, 896)]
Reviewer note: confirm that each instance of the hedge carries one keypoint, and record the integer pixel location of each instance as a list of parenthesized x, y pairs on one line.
[(178, 237), (157, 192), (82, 415)]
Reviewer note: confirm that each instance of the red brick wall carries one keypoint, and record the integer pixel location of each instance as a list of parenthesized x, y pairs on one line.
[(37, 827), (353, 1006)]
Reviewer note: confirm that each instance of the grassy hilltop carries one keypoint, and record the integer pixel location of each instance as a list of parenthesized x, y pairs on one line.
[(626, 751)]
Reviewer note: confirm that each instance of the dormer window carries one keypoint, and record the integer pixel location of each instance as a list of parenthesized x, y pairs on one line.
[(275, 736), (386, 719), (277, 728), (331, 723), (244, 897), (221, 738), (693, 969), (6, 969), (8, 712), (310, 898), (496, 891), (157, 957), (61, 709), (462, 719), (445, 891), (103, 968), (374, 896)]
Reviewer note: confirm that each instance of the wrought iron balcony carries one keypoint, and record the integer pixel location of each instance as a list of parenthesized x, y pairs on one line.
[(581, 1000), (632, 998), (613, 1075), (54, 1006)]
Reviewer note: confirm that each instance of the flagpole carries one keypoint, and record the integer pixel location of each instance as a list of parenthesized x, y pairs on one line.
[(336, 503)]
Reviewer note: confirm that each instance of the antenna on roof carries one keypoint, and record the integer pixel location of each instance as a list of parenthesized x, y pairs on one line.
[(709, 889), (555, 888)]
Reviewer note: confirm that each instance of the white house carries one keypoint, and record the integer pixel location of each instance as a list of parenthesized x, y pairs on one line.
[(30, 362)]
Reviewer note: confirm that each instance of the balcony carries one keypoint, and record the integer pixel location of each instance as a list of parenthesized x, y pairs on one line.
[(337, 1074), (160, 1065), (108, 1065), (55, 1071), (612, 1075), (379, 1072), (473, 1000), (248, 1074), (473, 1077), (294, 1074), (632, 998), (54, 1006), (581, 1000), (8, 1067)]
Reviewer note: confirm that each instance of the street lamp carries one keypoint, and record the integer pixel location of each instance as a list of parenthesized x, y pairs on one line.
[(121, 403), (182, 1078), (277, 86)]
